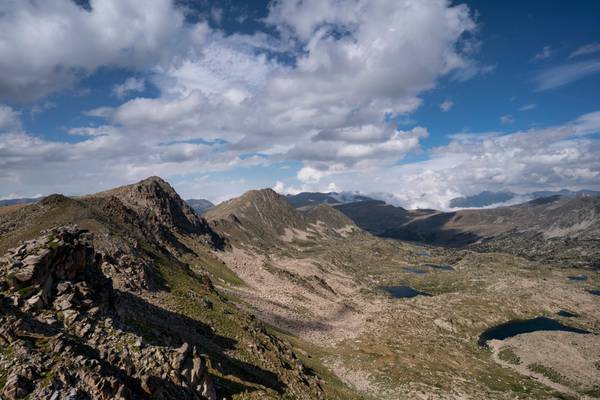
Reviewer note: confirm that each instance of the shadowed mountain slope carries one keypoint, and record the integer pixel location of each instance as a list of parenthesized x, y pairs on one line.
[(551, 228), (200, 205), (158, 254), (263, 217)]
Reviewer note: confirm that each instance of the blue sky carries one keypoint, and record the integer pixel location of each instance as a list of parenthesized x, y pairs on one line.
[(414, 101)]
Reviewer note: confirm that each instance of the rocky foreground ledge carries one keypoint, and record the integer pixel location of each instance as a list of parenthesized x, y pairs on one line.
[(61, 337)]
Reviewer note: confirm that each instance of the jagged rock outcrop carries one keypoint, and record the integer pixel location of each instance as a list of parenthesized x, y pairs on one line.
[(61, 336), (159, 205)]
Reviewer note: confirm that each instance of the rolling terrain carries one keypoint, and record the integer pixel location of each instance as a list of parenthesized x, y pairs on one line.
[(325, 290), (258, 299), (562, 230)]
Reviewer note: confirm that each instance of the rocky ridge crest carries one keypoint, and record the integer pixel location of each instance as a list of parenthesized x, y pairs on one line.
[(61, 335)]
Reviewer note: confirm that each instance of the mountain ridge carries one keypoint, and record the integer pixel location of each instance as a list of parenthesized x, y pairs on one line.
[(158, 254), (489, 198), (265, 217)]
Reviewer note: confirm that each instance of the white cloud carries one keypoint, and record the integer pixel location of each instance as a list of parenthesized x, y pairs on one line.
[(565, 74), (131, 84), (93, 131), (39, 108), (9, 119), (507, 119), (100, 112), (545, 53), (338, 95), (527, 107), (344, 148), (357, 64), (48, 45), (282, 188), (446, 105), (587, 49), (556, 157)]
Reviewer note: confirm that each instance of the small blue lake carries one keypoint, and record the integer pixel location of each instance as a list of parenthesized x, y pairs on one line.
[(403, 292), (595, 292), (566, 314), (517, 327), (443, 267), (578, 277)]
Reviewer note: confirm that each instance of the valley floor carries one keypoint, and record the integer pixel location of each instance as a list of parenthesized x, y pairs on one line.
[(325, 297)]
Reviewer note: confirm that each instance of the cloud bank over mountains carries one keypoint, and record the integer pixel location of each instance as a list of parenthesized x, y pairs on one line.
[(325, 90)]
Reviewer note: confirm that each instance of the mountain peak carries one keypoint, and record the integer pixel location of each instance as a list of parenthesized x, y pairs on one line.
[(158, 203), (262, 194), (257, 202), (264, 216)]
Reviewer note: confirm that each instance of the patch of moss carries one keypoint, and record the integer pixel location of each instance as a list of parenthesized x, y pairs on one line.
[(53, 245), (550, 373), (26, 292), (7, 352), (507, 354), (3, 378)]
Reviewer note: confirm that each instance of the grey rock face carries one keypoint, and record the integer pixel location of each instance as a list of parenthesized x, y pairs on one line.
[(62, 336)]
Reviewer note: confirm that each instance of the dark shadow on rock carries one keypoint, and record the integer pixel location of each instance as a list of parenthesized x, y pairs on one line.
[(432, 230), (159, 326)]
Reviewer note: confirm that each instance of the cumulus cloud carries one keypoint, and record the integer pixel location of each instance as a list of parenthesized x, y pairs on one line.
[(101, 157), (339, 92), (227, 101), (48, 45), (555, 157), (346, 149)]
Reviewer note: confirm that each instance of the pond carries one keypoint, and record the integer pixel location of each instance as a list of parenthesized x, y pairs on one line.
[(443, 267), (517, 327), (566, 314), (415, 270), (403, 292), (578, 277), (595, 292)]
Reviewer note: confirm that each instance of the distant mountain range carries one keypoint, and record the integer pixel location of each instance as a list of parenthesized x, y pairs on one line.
[(24, 200), (313, 198), (488, 198), (200, 205), (561, 226)]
